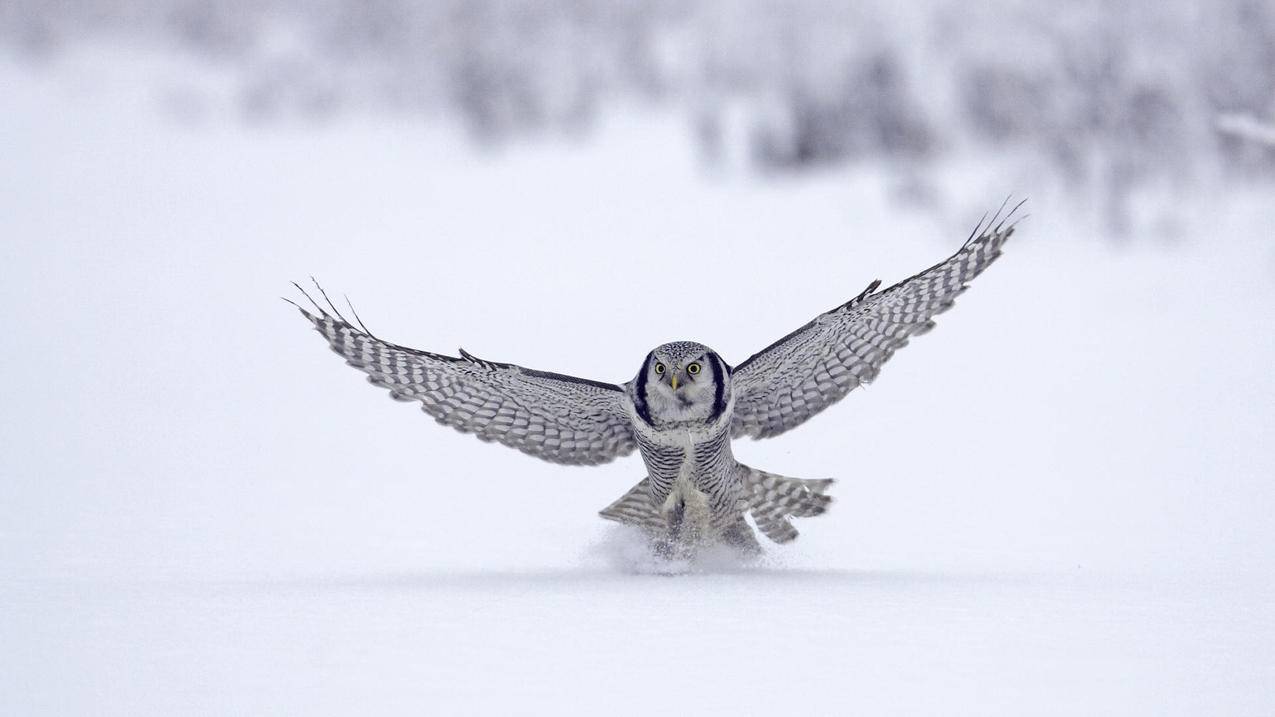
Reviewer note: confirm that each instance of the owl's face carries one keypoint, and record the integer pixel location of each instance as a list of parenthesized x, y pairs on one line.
[(683, 381)]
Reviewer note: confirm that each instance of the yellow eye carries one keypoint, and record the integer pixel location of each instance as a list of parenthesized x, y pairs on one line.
[(659, 367), (693, 369)]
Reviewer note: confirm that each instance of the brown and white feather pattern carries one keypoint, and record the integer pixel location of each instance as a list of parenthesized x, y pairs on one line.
[(558, 418), (817, 365)]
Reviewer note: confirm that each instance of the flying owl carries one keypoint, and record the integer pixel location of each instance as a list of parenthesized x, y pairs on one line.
[(683, 408)]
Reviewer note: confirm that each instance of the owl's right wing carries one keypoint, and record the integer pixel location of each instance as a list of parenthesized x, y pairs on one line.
[(561, 419), (815, 366)]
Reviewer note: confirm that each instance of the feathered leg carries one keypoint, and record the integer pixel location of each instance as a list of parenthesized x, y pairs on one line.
[(741, 537)]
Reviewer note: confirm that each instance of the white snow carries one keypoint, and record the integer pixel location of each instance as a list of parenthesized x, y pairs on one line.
[(1059, 502)]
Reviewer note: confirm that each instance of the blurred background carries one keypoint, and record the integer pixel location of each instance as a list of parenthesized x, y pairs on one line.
[(1058, 502), (1127, 110)]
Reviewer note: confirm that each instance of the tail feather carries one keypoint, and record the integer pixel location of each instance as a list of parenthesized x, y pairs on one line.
[(773, 499), (636, 508)]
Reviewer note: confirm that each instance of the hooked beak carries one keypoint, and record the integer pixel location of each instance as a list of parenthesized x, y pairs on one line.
[(673, 381)]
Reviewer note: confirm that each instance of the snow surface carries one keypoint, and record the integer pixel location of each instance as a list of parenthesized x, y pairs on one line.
[(1059, 502)]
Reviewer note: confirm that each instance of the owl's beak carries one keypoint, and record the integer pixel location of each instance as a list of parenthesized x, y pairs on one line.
[(673, 381)]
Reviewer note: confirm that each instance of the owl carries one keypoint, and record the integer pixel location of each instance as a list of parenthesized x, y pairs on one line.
[(683, 408)]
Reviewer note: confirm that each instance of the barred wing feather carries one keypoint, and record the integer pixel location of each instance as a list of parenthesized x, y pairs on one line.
[(561, 419), (817, 365)]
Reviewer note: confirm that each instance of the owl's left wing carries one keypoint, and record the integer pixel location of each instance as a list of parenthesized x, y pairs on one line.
[(817, 365), (561, 419)]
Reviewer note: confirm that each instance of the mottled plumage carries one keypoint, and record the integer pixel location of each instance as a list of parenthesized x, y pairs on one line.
[(683, 407)]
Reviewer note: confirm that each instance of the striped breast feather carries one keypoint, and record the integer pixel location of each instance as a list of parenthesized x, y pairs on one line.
[(558, 418), (803, 373)]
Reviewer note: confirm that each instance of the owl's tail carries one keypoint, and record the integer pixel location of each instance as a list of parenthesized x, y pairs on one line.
[(773, 499), (635, 508)]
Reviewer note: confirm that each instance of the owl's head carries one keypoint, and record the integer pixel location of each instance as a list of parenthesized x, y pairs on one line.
[(682, 381)]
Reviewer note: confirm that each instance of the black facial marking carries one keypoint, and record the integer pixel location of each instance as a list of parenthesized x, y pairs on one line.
[(719, 387), (639, 391)]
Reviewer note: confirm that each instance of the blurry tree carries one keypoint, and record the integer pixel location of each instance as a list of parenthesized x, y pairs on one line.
[(871, 114), (1116, 99)]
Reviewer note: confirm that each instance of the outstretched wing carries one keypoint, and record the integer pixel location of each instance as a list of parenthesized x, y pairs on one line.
[(817, 365), (559, 418)]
